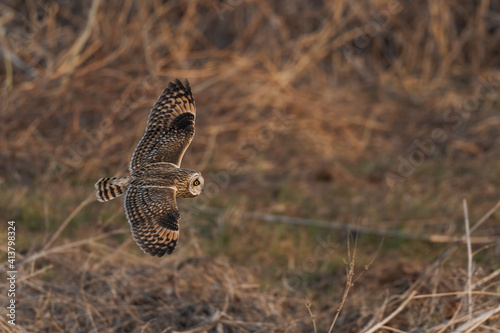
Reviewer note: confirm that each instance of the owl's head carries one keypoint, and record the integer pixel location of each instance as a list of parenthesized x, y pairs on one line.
[(196, 184)]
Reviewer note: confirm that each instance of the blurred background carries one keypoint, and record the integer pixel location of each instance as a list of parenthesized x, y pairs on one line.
[(338, 140)]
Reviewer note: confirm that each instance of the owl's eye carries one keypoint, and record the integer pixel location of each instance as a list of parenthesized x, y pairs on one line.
[(196, 182)]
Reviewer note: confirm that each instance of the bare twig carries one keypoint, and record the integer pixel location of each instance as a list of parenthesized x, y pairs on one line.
[(313, 317), (349, 283)]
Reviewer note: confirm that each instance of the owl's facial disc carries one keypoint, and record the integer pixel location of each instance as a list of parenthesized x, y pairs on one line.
[(196, 184)]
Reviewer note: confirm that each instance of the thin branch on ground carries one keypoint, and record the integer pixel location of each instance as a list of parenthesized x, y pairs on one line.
[(359, 229)]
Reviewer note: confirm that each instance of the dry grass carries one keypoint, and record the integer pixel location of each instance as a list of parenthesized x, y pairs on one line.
[(89, 289), (308, 112)]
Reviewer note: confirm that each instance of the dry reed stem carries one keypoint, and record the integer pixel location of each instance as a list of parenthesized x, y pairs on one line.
[(487, 278), (468, 286), (378, 312), (447, 254), (458, 293), (471, 324), (7, 59), (71, 245), (392, 329), (393, 314), (442, 328), (90, 198), (72, 58), (485, 217)]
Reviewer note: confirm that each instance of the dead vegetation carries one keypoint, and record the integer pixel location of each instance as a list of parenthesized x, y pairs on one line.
[(377, 114)]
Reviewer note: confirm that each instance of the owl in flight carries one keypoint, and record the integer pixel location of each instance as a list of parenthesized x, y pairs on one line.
[(156, 179)]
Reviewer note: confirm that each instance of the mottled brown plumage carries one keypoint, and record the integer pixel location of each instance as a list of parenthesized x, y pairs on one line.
[(156, 179)]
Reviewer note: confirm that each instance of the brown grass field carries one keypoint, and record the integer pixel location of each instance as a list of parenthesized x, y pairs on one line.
[(350, 151)]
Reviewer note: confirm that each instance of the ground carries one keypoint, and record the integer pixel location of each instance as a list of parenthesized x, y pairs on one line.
[(344, 146)]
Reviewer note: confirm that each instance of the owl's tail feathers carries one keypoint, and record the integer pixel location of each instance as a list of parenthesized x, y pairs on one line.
[(110, 188)]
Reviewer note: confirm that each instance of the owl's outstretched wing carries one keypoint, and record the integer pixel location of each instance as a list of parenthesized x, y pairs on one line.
[(170, 128), (154, 218)]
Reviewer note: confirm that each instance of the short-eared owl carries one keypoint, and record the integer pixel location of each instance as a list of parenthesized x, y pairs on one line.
[(156, 179)]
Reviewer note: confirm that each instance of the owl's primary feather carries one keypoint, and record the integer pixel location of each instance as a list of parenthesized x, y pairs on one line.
[(170, 128), (156, 179)]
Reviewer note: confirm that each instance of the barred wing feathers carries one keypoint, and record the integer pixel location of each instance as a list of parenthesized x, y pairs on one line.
[(170, 128)]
